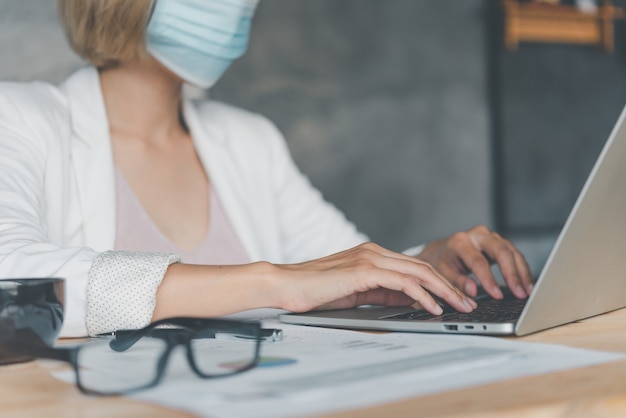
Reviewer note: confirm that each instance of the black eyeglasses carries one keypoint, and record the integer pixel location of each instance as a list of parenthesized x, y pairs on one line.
[(131, 360)]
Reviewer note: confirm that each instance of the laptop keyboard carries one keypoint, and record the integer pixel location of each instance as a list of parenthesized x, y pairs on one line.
[(489, 310)]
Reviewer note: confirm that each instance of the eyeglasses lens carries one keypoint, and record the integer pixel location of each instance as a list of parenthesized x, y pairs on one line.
[(227, 353), (106, 371)]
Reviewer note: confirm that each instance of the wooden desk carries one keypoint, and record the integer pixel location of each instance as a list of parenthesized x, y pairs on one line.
[(28, 390)]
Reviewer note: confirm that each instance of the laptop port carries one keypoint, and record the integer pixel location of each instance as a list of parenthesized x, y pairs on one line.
[(451, 327), (469, 326)]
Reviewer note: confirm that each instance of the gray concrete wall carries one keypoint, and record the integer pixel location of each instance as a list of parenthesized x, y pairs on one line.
[(382, 102), (32, 45), (383, 106)]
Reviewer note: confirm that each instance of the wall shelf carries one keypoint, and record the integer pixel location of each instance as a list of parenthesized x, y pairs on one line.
[(535, 21)]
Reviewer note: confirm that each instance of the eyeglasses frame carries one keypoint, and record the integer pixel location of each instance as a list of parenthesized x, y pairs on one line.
[(186, 329)]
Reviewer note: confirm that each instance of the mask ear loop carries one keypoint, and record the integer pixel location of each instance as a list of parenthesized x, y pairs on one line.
[(152, 7)]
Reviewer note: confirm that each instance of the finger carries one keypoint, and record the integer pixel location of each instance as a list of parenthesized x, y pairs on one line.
[(426, 276), (469, 286), (454, 297), (369, 270), (408, 285), (447, 275), (462, 281), (416, 306), (424, 298), (503, 253), (476, 262), (378, 267), (369, 267), (420, 277), (524, 271)]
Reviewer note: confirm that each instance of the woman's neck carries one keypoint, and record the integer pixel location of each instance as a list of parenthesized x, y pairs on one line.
[(142, 101)]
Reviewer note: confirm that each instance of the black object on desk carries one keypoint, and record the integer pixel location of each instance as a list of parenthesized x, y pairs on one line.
[(31, 309)]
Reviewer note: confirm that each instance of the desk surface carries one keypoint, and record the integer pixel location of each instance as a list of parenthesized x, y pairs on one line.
[(27, 390)]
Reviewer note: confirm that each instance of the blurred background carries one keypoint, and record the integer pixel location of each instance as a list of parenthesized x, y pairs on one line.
[(414, 117)]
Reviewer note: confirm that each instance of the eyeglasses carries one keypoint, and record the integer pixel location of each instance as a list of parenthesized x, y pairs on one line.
[(131, 360)]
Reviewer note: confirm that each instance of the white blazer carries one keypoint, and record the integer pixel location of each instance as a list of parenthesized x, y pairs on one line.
[(57, 189)]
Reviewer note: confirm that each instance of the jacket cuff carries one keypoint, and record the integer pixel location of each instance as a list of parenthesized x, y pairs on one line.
[(121, 291)]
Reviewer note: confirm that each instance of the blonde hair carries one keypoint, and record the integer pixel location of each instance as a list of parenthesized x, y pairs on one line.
[(105, 32)]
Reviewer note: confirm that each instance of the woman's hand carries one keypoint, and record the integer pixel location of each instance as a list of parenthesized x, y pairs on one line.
[(473, 251), (366, 274)]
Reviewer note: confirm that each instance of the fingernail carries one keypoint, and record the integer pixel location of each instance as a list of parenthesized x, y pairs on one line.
[(468, 288), (519, 291), (438, 310), (469, 304), (497, 292), (531, 287)]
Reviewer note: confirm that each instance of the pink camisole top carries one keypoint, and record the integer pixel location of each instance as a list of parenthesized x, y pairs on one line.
[(135, 231)]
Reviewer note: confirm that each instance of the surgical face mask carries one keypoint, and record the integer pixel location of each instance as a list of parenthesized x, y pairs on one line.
[(198, 39)]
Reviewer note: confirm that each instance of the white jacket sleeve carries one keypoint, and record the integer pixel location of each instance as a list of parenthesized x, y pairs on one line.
[(34, 159)]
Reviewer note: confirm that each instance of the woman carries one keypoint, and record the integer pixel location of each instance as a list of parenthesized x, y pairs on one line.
[(154, 206)]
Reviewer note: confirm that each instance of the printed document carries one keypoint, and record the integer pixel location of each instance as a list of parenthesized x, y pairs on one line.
[(318, 370)]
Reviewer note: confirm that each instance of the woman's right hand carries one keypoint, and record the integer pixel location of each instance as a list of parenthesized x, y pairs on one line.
[(365, 275)]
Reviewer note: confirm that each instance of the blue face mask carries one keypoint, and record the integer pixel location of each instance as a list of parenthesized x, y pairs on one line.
[(198, 39)]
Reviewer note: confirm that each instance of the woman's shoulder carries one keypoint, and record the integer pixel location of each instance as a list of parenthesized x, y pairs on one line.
[(34, 100), (32, 91)]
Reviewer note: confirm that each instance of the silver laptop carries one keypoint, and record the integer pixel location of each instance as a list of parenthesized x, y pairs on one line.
[(585, 274)]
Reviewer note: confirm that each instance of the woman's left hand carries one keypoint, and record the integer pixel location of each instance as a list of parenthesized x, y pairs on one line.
[(472, 252)]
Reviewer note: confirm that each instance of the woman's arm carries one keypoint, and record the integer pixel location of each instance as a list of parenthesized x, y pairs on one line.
[(366, 274), (34, 130)]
